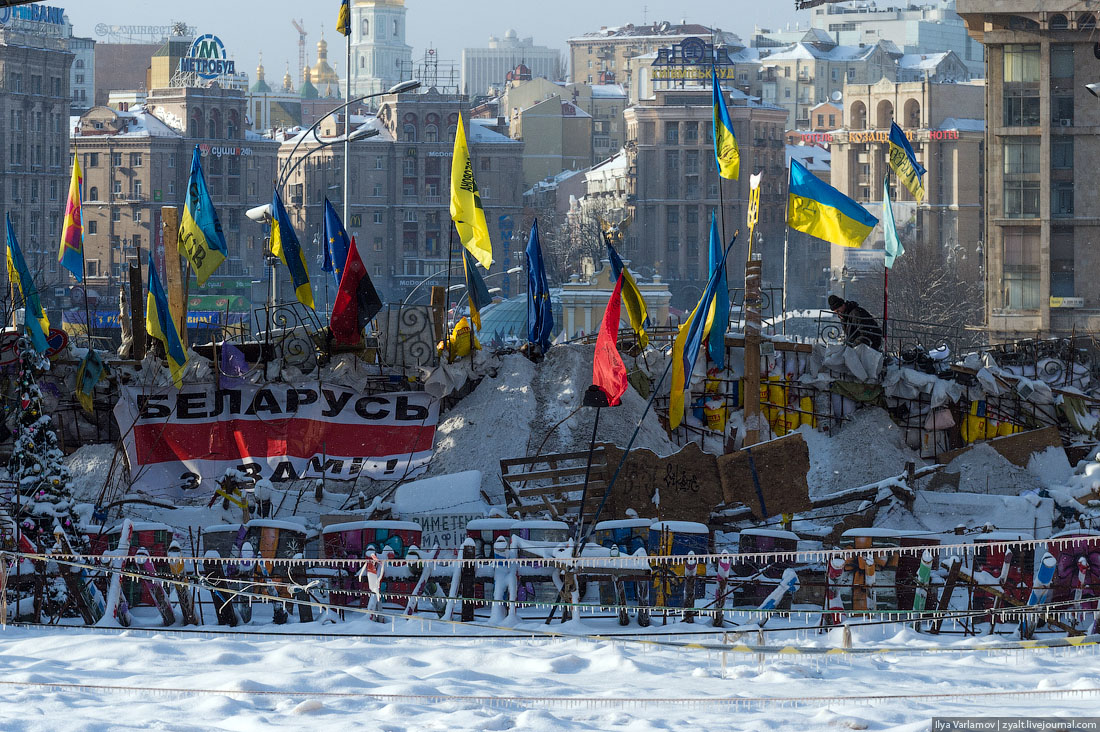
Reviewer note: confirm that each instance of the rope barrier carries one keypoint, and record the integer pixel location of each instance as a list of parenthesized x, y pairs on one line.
[(621, 562), (577, 702)]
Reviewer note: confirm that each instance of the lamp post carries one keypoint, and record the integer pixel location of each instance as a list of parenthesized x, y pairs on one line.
[(427, 279)]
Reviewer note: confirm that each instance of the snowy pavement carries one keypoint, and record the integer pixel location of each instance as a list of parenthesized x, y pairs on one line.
[(257, 681)]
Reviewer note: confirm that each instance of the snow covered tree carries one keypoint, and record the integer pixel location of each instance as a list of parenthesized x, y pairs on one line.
[(37, 464)]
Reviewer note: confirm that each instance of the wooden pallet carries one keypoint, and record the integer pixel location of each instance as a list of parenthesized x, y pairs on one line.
[(552, 484)]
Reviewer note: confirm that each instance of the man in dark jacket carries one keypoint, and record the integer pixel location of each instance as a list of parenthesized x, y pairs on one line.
[(859, 325)]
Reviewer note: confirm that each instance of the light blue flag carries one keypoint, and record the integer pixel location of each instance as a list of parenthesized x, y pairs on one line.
[(716, 342), (894, 249)]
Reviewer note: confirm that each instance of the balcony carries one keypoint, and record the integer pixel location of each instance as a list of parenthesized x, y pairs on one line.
[(129, 197), (433, 200)]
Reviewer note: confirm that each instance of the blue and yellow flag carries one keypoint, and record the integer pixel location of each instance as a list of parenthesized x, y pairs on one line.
[(200, 236), (816, 208), (726, 152), (632, 297), (343, 20), (475, 288), (87, 376), (716, 340), (160, 325), (904, 162), (337, 243), (685, 349), (35, 322), (285, 246)]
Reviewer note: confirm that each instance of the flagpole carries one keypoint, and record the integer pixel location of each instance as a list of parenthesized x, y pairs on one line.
[(447, 292), (347, 133), (87, 309), (885, 302), (786, 247)]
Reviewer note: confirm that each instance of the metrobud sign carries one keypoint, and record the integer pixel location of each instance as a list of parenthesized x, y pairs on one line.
[(207, 58)]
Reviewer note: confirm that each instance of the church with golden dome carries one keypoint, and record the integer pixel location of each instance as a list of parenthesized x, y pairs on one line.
[(321, 75)]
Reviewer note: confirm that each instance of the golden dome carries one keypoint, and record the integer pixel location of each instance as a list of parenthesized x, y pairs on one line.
[(288, 80), (323, 74)]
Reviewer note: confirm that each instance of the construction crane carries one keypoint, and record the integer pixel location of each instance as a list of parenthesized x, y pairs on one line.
[(300, 27)]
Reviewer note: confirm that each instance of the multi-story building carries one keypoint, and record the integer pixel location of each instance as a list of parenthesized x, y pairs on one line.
[(801, 76), (673, 187), (379, 55), (82, 74), (270, 109), (122, 66), (915, 29), (34, 112), (1042, 216), (399, 191), (137, 161), (607, 55), (557, 136), (945, 126), (486, 68)]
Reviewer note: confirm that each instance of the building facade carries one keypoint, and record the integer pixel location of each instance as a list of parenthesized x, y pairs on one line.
[(607, 55), (1042, 217), (399, 193), (673, 187), (486, 68), (137, 161), (82, 74), (915, 29), (379, 55), (34, 112), (945, 126)]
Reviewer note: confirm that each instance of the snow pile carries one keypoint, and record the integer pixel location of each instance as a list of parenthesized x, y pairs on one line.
[(866, 449), (984, 470), (89, 467), (528, 409), (1051, 465), (457, 493), (940, 512)]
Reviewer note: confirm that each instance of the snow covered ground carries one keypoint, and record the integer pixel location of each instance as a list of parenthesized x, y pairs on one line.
[(256, 681)]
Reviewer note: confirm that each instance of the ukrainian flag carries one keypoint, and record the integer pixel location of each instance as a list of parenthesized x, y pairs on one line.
[(689, 340), (160, 325), (343, 20), (816, 208), (200, 234), (35, 321), (285, 246), (904, 162), (726, 151)]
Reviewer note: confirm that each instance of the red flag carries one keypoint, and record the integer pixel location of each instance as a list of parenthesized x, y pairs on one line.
[(357, 301), (608, 371)]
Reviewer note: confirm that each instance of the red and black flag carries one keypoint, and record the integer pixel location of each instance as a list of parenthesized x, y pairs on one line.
[(608, 370), (357, 301)]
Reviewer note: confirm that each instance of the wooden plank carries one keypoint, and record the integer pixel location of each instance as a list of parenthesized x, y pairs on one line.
[(560, 457), (545, 474), (173, 275), (558, 489)]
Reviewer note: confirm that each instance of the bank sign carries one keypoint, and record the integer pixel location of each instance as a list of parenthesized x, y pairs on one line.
[(207, 58), (33, 14)]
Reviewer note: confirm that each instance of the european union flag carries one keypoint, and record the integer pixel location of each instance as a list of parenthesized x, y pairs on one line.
[(540, 311), (337, 243)]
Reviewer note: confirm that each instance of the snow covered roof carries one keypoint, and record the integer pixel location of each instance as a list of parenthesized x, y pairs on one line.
[(608, 91), (138, 122), (963, 124), (922, 61), (481, 133), (812, 156), (805, 51), (553, 181)]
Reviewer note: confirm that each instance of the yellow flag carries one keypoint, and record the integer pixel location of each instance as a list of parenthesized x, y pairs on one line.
[(466, 210)]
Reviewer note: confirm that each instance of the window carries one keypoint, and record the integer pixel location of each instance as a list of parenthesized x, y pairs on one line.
[(410, 216), (377, 190), (137, 215), (485, 164), (672, 133), (1021, 108), (409, 167), (93, 227), (1061, 198), (116, 159), (486, 192), (116, 187), (379, 163), (172, 188), (408, 133), (1022, 155), (832, 120), (171, 160), (672, 161), (93, 160), (53, 190), (93, 194), (366, 27), (135, 160), (691, 132), (1061, 153), (396, 28), (1061, 61), (431, 133), (1061, 108), (1021, 275), (1021, 63), (377, 217), (672, 216), (136, 188), (377, 243), (116, 214), (1021, 199), (1061, 263)]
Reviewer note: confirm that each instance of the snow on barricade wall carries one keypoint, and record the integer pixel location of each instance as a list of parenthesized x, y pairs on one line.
[(443, 506)]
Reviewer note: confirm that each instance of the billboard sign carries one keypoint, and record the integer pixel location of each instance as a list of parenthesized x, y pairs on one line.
[(207, 58)]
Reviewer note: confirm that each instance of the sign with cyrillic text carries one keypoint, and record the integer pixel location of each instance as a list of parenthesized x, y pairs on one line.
[(176, 438)]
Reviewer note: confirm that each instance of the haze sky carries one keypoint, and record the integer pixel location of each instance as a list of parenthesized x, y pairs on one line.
[(250, 26)]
